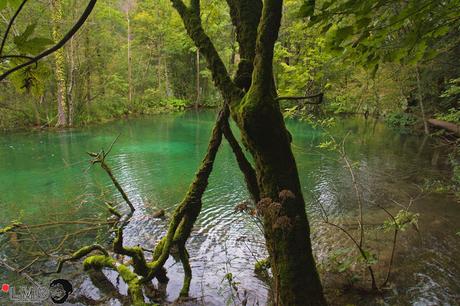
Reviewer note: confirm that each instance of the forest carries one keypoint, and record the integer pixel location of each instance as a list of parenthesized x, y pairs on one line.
[(238, 152)]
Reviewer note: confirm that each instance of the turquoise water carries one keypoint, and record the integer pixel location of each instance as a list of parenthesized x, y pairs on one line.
[(46, 177)]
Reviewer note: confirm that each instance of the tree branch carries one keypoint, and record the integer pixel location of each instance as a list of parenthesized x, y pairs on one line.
[(59, 45), (219, 73), (245, 166), (3, 57), (268, 30), (320, 100), (245, 15), (10, 24)]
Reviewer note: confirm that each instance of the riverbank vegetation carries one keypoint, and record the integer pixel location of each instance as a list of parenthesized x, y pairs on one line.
[(391, 60)]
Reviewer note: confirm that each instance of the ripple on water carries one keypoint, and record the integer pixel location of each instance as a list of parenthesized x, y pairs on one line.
[(155, 160)]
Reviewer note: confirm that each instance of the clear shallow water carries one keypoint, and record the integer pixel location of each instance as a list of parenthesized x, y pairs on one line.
[(44, 176)]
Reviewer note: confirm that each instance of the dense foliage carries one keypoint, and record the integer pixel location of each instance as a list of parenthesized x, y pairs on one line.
[(383, 58)]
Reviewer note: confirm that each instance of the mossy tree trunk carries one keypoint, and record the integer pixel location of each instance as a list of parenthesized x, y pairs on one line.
[(59, 61), (251, 96), (264, 133)]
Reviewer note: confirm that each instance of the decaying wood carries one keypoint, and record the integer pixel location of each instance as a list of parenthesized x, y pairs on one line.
[(449, 126)]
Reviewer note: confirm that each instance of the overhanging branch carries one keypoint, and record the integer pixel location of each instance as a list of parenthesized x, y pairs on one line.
[(59, 45), (10, 24), (320, 100)]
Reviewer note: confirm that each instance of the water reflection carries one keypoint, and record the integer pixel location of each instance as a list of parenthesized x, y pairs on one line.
[(155, 160)]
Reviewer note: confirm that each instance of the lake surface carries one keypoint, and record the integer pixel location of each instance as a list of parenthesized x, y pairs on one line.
[(46, 177)]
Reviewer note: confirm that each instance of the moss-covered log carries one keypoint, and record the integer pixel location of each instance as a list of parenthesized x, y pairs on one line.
[(9, 228)]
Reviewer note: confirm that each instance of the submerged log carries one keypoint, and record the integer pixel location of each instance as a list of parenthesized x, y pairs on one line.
[(449, 126)]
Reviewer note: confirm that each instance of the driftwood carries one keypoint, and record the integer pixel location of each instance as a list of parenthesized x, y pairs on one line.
[(449, 126)]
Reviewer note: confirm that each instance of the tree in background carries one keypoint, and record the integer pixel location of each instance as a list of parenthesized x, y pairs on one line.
[(59, 66)]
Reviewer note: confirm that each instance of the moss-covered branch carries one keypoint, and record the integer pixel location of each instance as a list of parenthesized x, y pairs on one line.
[(186, 213), (9, 228), (245, 166), (220, 76), (84, 251), (267, 35), (97, 262), (245, 15)]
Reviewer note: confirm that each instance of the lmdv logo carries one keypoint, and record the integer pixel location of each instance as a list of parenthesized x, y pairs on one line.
[(28, 294), (58, 291)]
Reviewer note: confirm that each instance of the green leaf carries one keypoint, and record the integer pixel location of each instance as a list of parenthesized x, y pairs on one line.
[(28, 31), (33, 45), (344, 266), (14, 4), (3, 4), (363, 22), (342, 34), (307, 9), (21, 39)]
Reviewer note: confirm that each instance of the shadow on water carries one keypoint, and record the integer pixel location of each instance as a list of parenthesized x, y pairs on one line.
[(155, 160)]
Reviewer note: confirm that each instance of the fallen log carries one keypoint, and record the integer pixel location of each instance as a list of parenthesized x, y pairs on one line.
[(449, 126)]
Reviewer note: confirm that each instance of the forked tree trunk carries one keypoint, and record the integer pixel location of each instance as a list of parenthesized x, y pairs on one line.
[(252, 99), (287, 232)]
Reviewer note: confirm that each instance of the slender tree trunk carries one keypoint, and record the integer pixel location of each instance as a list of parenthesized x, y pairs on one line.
[(420, 100), (377, 98), (166, 75), (37, 111), (59, 61), (159, 70), (88, 68), (130, 81), (198, 89), (71, 82)]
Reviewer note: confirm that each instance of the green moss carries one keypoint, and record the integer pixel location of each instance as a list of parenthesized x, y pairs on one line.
[(9, 228), (134, 285), (113, 211), (262, 266), (184, 258), (97, 262), (88, 249)]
